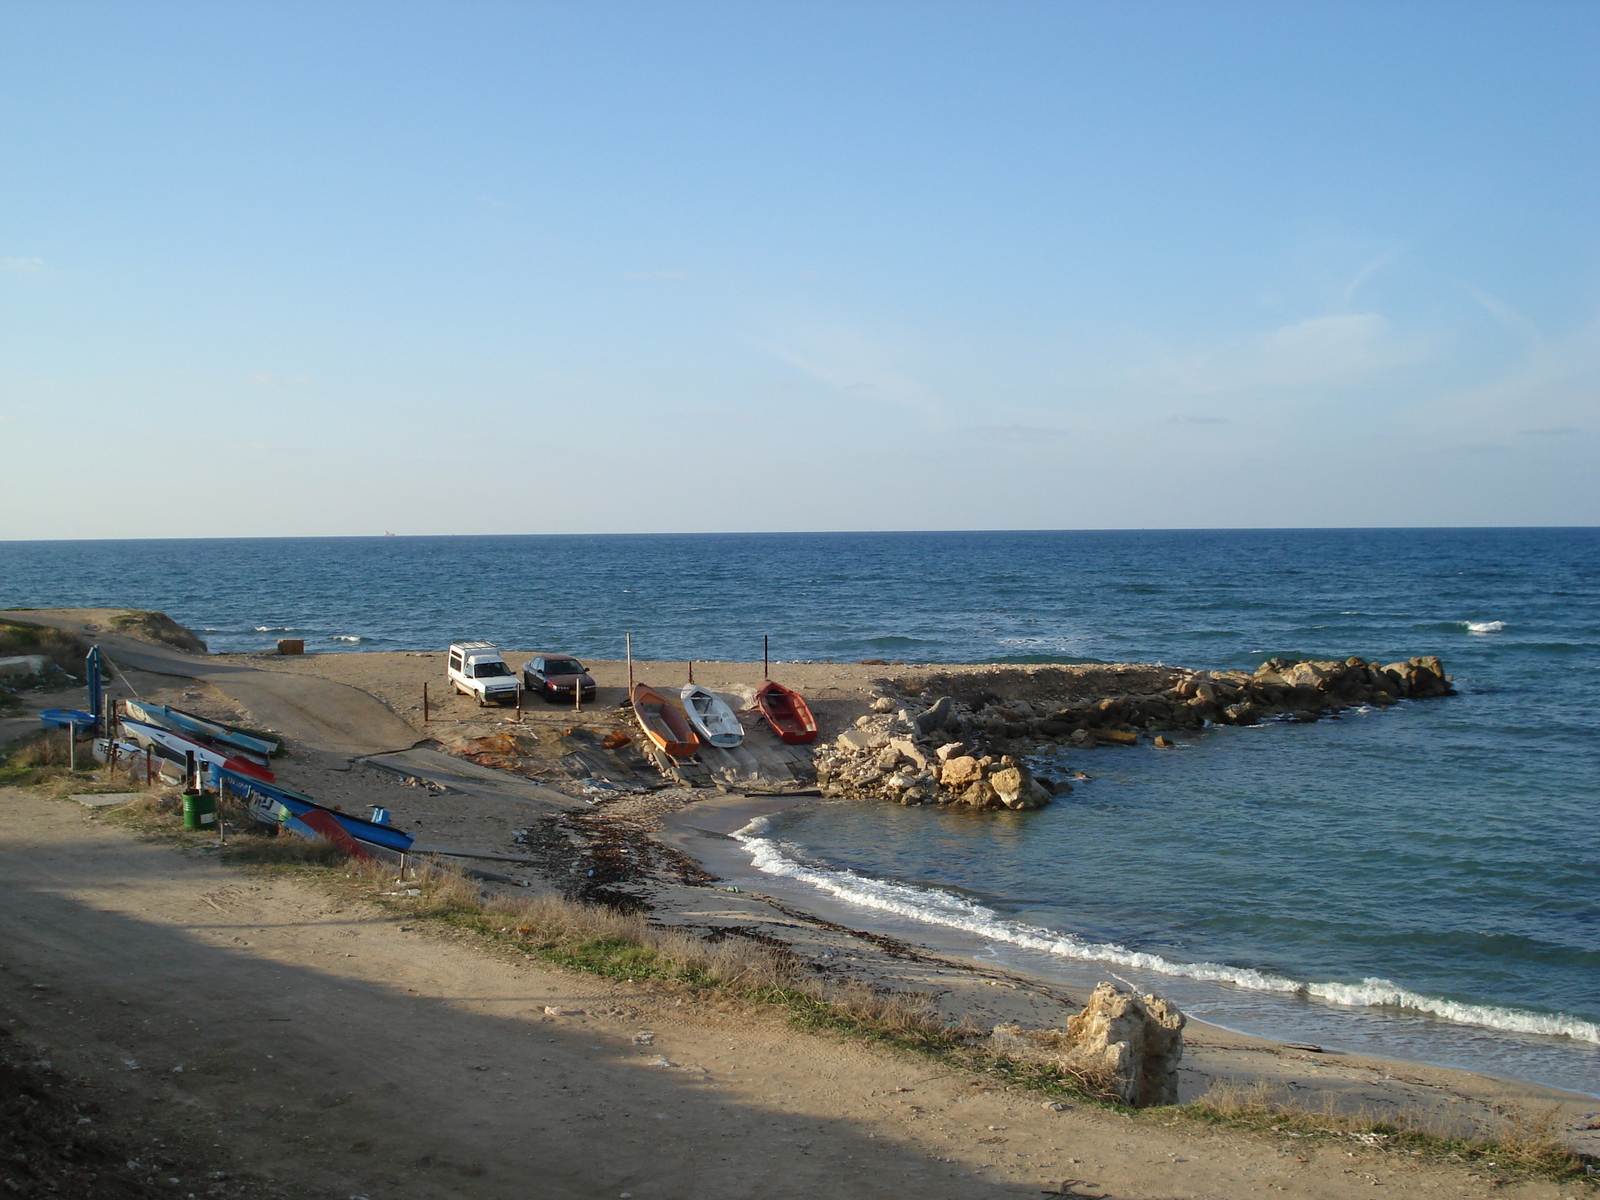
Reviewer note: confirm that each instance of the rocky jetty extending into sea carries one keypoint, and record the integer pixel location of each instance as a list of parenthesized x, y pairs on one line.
[(961, 738)]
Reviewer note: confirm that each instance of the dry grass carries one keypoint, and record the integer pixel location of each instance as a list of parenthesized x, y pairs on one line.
[(1519, 1142), (624, 945), (43, 757), (65, 650)]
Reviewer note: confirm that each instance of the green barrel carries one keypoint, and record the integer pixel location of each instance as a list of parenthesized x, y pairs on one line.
[(199, 810)]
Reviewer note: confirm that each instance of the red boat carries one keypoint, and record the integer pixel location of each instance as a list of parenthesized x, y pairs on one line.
[(663, 722), (787, 713)]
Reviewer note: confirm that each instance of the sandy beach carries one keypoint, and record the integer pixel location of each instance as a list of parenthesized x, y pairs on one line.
[(410, 1047)]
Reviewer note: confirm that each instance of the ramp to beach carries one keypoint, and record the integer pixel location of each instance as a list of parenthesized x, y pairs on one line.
[(316, 713)]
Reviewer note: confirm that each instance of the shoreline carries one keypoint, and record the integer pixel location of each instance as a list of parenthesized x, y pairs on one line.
[(998, 990), (704, 832)]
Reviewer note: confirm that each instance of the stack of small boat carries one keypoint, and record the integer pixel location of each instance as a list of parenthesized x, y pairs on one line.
[(236, 760), (173, 735)]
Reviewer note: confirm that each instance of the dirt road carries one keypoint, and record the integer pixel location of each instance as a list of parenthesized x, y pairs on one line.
[(324, 1045)]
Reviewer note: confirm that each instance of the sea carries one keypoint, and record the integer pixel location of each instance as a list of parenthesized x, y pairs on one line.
[(1421, 882)]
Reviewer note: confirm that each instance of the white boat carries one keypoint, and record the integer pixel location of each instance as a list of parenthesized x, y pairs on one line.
[(711, 717)]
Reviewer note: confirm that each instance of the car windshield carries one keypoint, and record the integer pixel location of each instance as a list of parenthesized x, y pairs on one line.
[(489, 670), (562, 666)]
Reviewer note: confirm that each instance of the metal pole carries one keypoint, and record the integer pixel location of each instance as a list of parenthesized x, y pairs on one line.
[(627, 639), (424, 702), (766, 671), (72, 745)]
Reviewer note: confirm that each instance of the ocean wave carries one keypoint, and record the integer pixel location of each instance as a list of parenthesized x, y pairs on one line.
[(346, 637), (937, 907), (272, 629), (1482, 626)]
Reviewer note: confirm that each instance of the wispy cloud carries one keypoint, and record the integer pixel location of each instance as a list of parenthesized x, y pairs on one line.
[(1312, 353), (1551, 391), (849, 363), (1018, 433), (1507, 316), (22, 266), (1367, 271)]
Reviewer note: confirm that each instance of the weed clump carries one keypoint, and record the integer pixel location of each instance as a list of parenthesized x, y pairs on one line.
[(1521, 1141)]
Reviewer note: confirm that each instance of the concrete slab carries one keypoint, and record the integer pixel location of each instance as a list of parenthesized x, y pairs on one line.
[(106, 799)]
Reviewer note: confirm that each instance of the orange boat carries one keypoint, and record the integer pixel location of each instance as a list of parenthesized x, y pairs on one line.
[(663, 722), (787, 713)]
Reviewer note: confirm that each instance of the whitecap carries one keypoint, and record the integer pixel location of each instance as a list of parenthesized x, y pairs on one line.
[(935, 906), (1483, 626), (274, 629), (342, 637)]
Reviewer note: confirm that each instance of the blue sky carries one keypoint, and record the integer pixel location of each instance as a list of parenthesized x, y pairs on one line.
[(298, 269)]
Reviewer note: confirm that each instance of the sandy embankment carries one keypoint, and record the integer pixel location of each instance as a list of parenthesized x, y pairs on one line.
[(783, 1113)]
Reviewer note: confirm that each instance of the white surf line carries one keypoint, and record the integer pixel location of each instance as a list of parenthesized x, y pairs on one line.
[(935, 907)]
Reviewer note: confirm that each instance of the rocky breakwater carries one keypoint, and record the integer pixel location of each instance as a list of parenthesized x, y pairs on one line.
[(961, 737)]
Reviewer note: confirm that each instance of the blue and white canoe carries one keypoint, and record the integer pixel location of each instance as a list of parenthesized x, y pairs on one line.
[(271, 804), (179, 745), (187, 723)]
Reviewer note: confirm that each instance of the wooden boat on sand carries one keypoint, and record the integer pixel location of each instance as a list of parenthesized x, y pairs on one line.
[(663, 722), (786, 713), (711, 717)]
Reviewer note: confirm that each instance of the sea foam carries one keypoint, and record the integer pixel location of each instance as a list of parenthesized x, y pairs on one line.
[(937, 907), (1483, 626)]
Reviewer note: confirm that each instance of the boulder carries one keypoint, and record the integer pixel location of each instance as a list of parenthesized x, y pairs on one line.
[(950, 749), (980, 795), (853, 740), (1123, 1046), (934, 718), (906, 748), (884, 704), (960, 772), (1015, 787), (1136, 1041), (1122, 737)]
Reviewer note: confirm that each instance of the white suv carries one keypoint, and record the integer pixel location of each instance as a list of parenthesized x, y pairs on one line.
[(476, 669)]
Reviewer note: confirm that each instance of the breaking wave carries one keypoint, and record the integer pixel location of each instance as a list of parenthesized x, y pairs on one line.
[(272, 628), (937, 907), (1483, 626), (346, 637)]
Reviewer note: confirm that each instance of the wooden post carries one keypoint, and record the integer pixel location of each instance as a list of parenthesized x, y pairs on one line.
[(149, 753), (627, 640), (691, 670), (424, 701), (766, 671)]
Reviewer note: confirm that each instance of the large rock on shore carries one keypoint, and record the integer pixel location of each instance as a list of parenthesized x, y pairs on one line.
[(1122, 1045)]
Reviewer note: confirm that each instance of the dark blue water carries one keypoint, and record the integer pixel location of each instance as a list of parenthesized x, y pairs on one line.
[(1423, 880)]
